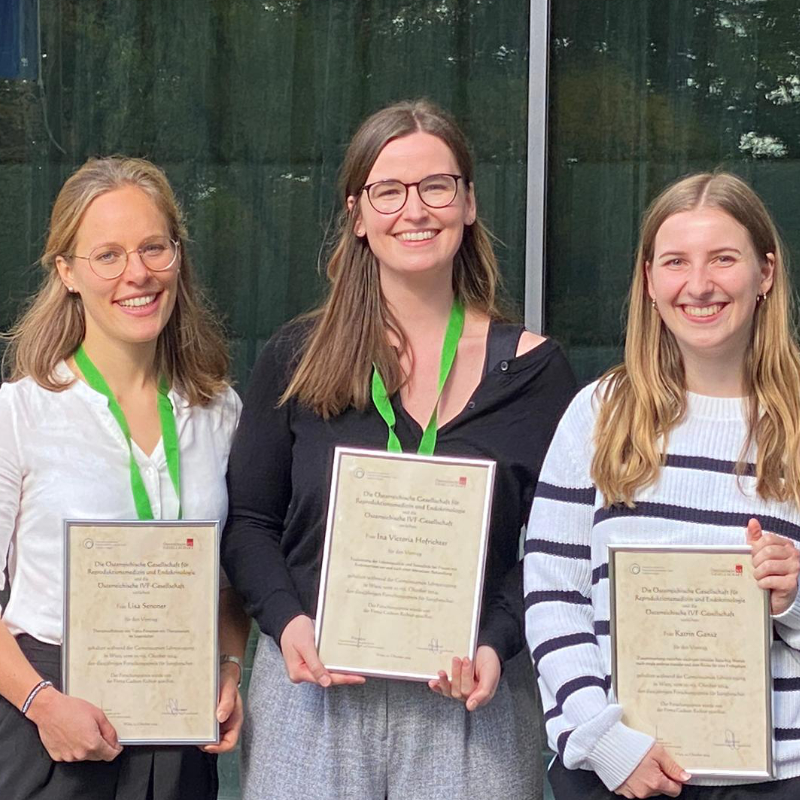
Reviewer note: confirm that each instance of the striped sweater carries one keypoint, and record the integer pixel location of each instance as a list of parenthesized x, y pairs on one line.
[(698, 499)]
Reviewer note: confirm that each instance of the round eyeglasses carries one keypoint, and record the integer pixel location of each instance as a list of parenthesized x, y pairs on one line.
[(436, 191), (109, 260)]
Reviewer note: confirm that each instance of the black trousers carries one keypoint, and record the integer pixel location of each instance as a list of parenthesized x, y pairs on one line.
[(579, 784), (139, 773)]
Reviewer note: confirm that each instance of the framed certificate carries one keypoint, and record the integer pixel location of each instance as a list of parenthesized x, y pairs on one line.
[(691, 636), (403, 564), (140, 626)]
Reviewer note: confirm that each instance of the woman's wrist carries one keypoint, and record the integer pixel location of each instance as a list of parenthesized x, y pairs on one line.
[(38, 701), (234, 665)]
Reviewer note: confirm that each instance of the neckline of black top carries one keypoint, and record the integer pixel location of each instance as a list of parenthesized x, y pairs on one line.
[(509, 367)]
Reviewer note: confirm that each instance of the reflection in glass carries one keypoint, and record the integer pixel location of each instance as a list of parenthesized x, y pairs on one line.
[(642, 94)]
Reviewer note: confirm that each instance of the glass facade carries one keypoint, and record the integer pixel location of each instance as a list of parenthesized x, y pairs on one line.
[(641, 94), (248, 106)]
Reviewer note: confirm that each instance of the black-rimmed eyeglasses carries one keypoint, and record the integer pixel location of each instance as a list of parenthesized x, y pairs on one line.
[(436, 191)]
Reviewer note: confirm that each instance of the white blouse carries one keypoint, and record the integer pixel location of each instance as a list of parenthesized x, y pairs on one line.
[(63, 456)]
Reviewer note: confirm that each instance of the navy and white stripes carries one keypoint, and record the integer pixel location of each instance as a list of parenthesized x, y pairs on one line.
[(701, 497)]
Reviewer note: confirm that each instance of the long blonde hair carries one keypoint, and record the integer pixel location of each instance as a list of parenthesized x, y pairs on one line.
[(191, 351), (643, 398), (350, 328)]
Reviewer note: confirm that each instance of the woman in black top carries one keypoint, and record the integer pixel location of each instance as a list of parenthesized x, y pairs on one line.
[(410, 254)]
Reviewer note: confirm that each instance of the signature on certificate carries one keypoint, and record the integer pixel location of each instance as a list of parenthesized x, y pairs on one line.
[(731, 742), (173, 707)]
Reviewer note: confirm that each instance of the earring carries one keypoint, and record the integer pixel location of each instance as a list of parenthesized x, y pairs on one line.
[(70, 290), (653, 303), (761, 298)]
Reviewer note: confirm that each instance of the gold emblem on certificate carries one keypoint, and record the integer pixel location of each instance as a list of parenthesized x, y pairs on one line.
[(140, 626), (691, 636), (403, 564)]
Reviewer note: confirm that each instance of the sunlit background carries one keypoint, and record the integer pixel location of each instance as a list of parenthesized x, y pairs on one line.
[(248, 106)]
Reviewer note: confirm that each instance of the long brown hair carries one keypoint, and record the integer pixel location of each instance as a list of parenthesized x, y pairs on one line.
[(642, 399), (191, 351), (350, 330)]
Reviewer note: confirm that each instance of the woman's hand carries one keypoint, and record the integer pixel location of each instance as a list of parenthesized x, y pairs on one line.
[(657, 773), (475, 687), (230, 711), (776, 566), (301, 659), (72, 729)]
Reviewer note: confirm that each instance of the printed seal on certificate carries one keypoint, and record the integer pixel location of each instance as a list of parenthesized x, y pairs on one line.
[(140, 626), (403, 564), (691, 636)]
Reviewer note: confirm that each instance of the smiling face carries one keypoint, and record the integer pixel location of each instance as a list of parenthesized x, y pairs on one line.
[(417, 238), (134, 307), (705, 277)]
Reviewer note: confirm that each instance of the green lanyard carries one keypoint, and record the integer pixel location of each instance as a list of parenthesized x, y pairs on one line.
[(169, 433), (427, 444)]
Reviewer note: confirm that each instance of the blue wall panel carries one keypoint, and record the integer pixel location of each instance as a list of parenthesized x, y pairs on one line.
[(18, 39)]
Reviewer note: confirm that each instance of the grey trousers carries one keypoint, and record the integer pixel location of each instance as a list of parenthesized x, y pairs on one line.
[(387, 739)]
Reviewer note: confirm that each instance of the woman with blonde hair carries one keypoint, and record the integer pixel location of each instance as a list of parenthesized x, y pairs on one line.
[(117, 331), (411, 262), (693, 440)]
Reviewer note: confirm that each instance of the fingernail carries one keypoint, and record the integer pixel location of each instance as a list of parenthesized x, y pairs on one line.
[(471, 705), (325, 681), (220, 716), (685, 775)]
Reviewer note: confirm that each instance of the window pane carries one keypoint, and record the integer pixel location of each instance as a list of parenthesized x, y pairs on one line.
[(641, 94), (248, 106)]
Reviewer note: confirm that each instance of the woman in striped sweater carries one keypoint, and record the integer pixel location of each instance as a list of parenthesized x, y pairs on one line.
[(694, 439)]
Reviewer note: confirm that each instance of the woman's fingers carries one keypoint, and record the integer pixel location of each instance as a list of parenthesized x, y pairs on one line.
[(456, 679), (753, 531), (487, 671), (473, 683), (303, 664), (346, 679), (112, 746), (316, 667), (74, 730), (229, 728), (776, 566), (444, 684), (467, 678), (228, 692), (300, 653)]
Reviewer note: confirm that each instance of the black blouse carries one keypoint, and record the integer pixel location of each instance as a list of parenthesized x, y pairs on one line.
[(280, 469)]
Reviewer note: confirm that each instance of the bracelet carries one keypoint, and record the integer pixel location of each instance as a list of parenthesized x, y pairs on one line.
[(225, 658), (32, 696)]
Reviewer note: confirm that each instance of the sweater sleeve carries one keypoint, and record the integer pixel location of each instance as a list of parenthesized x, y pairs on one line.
[(583, 724), (259, 490)]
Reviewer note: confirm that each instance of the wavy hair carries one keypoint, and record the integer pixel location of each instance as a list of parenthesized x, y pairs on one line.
[(191, 351), (349, 331), (643, 398)]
